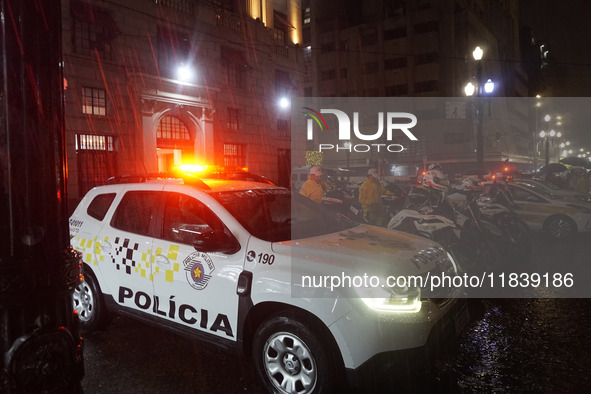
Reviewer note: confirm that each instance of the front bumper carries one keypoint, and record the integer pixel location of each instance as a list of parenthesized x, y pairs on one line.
[(390, 370)]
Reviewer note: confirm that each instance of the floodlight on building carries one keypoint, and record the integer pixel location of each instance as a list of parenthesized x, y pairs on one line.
[(185, 73), (284, 103)]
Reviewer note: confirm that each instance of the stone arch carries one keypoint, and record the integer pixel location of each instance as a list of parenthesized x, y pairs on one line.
[(177, 137)]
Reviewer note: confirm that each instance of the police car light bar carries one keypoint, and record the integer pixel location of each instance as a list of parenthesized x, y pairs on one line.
[(187, 179)]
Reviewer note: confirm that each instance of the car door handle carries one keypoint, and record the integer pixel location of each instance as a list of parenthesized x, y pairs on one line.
[(106, 247), (161, 260)]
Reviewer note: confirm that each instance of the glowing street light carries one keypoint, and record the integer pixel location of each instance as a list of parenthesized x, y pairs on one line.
[(469, 89), (477, 53)]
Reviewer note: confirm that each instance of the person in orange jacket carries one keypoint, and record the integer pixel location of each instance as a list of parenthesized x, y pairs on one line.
[(370, 197), (313, 187)]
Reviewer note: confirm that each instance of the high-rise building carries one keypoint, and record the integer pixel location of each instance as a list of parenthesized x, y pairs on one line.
[(423, 48)]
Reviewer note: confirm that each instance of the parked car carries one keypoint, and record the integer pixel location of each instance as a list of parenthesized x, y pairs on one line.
[(560, 218), (552, 190), (222, 261)]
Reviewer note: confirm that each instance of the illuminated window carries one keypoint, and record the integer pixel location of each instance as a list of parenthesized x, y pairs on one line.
[(96, 160), (172, 128), (94, 142), (307, 15), (94, 101), (234, 155)]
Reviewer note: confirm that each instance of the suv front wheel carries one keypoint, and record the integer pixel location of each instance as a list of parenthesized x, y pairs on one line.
[(289, 358)]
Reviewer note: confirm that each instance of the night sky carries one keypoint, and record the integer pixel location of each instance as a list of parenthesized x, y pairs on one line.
[(566, 27)]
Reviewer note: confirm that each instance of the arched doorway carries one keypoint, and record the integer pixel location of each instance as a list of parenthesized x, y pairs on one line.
[(174, 143)]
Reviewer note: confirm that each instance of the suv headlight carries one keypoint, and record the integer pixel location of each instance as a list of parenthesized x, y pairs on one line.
[(405, 300)]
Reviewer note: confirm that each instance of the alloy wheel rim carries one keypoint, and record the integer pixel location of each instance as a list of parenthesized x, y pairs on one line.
[(290, 364), (83, 301), (560, 228)]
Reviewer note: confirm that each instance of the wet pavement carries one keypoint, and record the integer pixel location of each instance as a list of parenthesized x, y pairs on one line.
[(539, 345)]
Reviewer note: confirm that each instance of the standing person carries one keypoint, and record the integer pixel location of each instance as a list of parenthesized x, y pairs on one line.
[(313, 188), (582, 184), (370, 197)]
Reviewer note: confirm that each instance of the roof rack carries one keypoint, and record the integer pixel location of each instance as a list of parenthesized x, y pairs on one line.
[(140, 178)]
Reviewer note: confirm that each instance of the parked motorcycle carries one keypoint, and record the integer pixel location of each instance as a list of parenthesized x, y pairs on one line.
[(494, 207), (434, 217), (341, 200)]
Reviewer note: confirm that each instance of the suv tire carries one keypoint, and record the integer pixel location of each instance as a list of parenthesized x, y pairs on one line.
[(290, 358), (88, 303)]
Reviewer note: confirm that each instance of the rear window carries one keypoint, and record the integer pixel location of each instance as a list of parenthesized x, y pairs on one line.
[(100, 205), (135, 211)]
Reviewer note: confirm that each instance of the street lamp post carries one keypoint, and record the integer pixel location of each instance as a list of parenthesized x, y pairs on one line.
[(347, 145), (535, 134), (479, 89), (547, 137)]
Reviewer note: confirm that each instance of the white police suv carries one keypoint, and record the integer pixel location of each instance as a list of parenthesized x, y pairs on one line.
[(257, 268)]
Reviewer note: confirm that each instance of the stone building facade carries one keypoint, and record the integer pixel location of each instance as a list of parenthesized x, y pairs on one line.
[(151, 84)]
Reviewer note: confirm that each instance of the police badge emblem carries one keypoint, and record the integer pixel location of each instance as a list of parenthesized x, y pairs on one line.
[(198, 268)]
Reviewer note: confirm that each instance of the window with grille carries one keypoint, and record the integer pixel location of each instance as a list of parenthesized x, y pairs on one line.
[(88, 38), (94, 101), (279, 34), (172, 128), (96, 160), (234, 155), (235, 75), (233, 119), (93, 30), (94, 142)]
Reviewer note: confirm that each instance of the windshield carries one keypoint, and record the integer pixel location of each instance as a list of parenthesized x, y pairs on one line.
[(279, 215)]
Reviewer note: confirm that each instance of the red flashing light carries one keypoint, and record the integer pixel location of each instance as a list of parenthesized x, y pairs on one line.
[(506, 169), (196, 169)]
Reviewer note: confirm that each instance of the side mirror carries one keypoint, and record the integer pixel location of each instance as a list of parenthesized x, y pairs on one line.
[(215, 241)]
